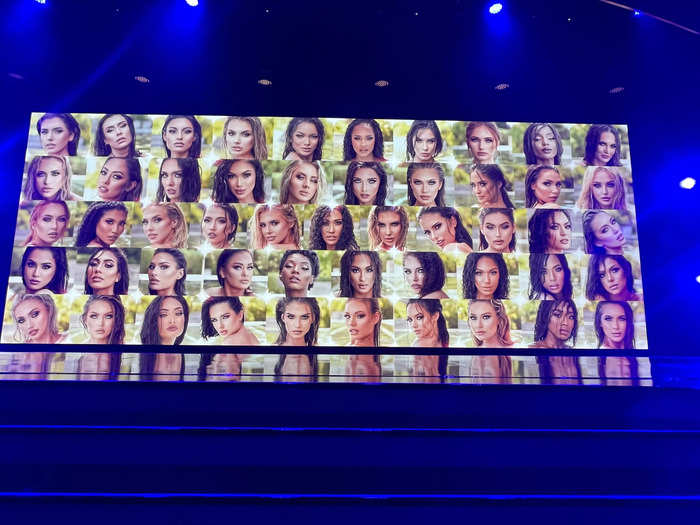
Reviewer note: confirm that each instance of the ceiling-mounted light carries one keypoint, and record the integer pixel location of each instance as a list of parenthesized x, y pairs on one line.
[(381, 83), (142, 79), (265, 82), (688, 183), (495, 8), (501, 87), (618, 89), (193, 3)]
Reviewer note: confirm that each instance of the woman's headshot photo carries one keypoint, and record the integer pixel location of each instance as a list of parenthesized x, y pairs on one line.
[(179, 180), (102, 225), (223, 318), (115, 136), (303, 139), (298, 269), (48, 223), (182, 137), (489, 323), (490, 186), (363, 320), (363, 142), (550, 231), (485, 277), (444, 228), (603, 188), (164, 225), (497, 230), (602, 233), (610, 278), (550, 277), (219, 225), (424, 275), (614, 325), (556, 324), (542, 145), (167, 272), (425, 318), (360, 274), (387, 228), (103, 320), (483, 140), (244, 138), (107, 272), (44, 269), (423, 142), (332, 229), (234, 270), (118, 180), (165, 321), (35, 319), (275, 226), (602, 146), (543, 185), (238, 181), (59, 134), (48, 178), (298, 320), (426, 184), (302, 183), (365, 184)]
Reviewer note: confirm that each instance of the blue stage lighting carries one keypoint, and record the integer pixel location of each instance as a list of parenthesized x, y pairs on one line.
[(495, 8), (40, 1), (637, 13), (688, 183), (193, 3)]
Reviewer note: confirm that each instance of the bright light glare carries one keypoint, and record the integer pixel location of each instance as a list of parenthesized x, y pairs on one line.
[(40, 1), (495, 8), (637, 13), (193, 3), (688, 183), (698, 278)]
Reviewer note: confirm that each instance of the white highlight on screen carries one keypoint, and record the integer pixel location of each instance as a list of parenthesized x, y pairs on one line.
[(495, 8), (688, 183)]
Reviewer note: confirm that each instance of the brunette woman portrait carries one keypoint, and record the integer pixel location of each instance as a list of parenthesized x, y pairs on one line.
[(332, 229)]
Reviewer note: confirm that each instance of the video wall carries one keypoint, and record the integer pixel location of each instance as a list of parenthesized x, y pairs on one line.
[(325, 232)]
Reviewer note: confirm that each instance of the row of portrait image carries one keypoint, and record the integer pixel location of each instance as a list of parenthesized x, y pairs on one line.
[(326, 274), (148, 180), (230, 367), (280, 227), (340, 139), (321, 322)]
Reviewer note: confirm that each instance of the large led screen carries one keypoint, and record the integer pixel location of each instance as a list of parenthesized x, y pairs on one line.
[(328, 232)]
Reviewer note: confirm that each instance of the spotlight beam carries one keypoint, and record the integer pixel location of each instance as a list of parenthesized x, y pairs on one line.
[(664, 20)]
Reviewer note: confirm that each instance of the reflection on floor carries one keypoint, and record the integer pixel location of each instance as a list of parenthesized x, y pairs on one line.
[(610, 370)]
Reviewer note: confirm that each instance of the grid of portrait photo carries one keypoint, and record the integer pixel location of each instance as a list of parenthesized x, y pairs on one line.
[(325, 232)]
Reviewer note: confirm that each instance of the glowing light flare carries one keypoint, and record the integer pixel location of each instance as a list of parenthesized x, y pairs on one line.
[(495, 8), (688, 183), (697, 279), (192, 3)]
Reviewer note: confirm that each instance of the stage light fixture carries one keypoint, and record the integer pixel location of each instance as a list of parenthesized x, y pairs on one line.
[(265, 82), (40, 1), (142, 79), (637, 13), (688, 183), (193, 3), (381, 83), (618, 89), (501, 87), (495, 8)]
